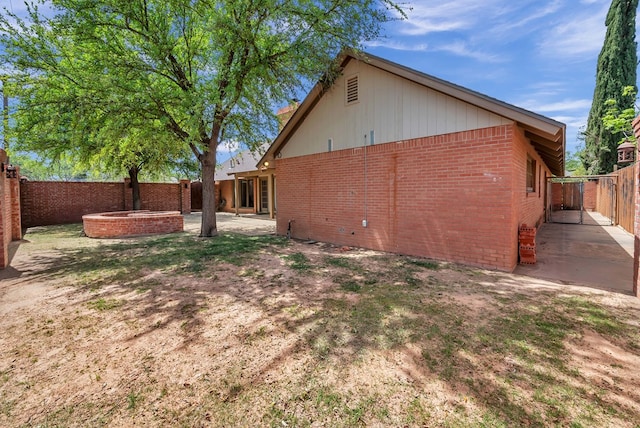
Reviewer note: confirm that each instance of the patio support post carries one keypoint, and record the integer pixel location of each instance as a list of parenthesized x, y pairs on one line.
[(270, 195), (235, 192)]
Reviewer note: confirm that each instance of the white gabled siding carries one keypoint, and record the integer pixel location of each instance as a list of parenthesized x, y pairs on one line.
[(395, 108)]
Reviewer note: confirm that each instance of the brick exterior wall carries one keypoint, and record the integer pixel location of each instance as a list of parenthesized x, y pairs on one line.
[(10, 223), (47, 203), (530, 206), (450, 197)]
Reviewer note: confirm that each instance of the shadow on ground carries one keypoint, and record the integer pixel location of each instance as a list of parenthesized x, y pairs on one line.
[(363, 337)]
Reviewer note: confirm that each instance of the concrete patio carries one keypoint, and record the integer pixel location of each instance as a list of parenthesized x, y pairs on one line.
[(251, 224), (589, 254)]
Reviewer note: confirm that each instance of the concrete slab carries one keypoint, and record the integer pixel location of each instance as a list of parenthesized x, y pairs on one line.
[(573, 216), (584, 254), (248, 224)]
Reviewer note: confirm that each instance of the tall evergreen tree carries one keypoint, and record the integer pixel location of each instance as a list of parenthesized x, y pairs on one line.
[(617, 65)]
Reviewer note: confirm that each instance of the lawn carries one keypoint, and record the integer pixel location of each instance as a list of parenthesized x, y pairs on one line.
[(261, 331)]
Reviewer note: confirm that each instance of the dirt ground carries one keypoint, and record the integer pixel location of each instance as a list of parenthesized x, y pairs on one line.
[(301, 334)]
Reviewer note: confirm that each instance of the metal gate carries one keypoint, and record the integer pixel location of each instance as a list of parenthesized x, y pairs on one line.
[(569, 198), (565, 202)]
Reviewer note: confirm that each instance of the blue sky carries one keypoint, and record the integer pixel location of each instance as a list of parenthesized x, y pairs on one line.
[(537, 54), (540, 55)]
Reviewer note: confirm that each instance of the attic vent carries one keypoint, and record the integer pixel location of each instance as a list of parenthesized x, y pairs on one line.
[(352, 89)]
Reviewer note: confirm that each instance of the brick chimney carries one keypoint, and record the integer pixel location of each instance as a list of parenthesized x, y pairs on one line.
[(285, 113)]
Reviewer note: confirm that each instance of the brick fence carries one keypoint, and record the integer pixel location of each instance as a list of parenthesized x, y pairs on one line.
[(51, 202), (10, 227)]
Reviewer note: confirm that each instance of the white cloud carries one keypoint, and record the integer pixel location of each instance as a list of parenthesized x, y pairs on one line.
[(576, 35), (438, 16), (458, 48), (398, 46), (461, 48), (495, 17), (572, 121), (516, 22), (557, 106)]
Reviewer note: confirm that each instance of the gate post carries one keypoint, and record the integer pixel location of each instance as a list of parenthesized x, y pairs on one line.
[(636, 223), (636, 233)]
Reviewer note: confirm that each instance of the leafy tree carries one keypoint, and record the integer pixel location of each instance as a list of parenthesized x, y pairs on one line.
[(617, 121), (616, 69), (37, 168), (60, 119), (573, 165), (205, 71)]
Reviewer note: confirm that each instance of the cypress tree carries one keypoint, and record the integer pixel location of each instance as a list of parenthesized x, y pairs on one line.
[(616, 69)]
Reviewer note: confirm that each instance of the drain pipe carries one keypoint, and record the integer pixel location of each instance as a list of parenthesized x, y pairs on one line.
[(364, 220)]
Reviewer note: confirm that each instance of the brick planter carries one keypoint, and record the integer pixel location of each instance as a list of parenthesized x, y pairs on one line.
[(132, 223)]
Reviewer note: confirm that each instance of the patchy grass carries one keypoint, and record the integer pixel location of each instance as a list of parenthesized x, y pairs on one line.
[(298, 261), (182, 331), (105, 304), (127, 260)]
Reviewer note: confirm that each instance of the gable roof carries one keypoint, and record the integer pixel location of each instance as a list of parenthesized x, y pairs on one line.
[(244, 161), (547, 135)]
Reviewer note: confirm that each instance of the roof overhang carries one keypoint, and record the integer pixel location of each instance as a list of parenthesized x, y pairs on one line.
[(547, 136), (262, 172)]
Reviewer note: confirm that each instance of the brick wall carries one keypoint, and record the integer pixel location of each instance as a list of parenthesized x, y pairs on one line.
[(589, 200), (48, 202), (530, 205), (185, 196), (5, 214), (636, 227), (160, 196), (557, 198), (448, 197), (10, 225)]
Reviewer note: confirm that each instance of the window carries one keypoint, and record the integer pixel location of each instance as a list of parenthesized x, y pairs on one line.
[(531, 174), (246, 193), (352, 90)]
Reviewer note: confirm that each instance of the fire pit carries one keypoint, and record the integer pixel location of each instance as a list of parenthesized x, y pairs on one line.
[(132, 223)]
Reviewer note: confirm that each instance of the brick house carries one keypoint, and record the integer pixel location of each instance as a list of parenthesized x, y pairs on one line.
[(393, 159)]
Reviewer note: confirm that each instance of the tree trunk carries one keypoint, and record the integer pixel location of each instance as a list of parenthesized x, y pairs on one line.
[(208, 161), (135, 187)]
